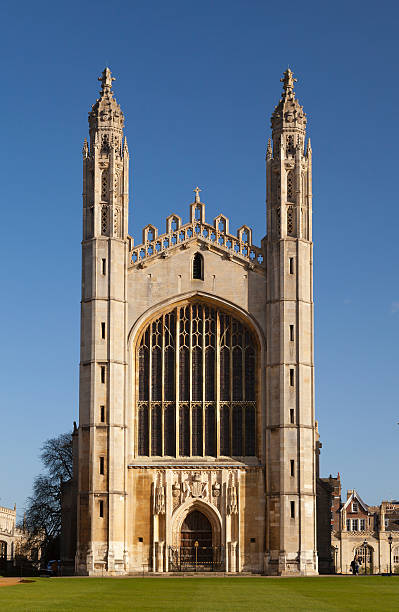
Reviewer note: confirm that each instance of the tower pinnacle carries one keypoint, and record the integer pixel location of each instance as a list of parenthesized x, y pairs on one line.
[(288, 115), (106, 118), (106, 81), (288, 83)]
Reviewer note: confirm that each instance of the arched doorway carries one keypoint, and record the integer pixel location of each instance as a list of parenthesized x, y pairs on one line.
[(197, 550), (196, 541), (366, 559), (196, 528)]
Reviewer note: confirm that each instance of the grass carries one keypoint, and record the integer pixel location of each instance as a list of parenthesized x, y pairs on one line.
[(196, 594)]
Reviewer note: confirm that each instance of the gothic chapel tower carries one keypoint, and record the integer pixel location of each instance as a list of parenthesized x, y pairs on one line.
[(196, 419), (103, 337), (290, 439)]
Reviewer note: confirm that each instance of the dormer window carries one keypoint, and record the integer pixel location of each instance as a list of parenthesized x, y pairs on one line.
[(198, 267)]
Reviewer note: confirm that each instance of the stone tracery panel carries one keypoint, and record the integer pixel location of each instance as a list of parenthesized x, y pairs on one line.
[(216, 235), (196, 378)]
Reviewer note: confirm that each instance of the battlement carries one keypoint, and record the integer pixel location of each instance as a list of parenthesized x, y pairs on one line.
[(9, 511), (215, 236)]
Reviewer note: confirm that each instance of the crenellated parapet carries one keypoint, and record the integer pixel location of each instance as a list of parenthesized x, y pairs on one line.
[(215, 237)]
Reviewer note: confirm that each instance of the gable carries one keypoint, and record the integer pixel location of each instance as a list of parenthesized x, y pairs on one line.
[(355, 497), (215, 238)]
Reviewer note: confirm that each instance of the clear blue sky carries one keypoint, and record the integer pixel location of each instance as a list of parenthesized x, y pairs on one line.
[(197, 82)]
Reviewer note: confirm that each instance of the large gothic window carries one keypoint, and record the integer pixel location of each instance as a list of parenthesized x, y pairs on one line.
[(196, 368)]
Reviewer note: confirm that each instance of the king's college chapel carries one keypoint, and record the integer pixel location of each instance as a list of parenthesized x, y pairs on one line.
[(197, 434)]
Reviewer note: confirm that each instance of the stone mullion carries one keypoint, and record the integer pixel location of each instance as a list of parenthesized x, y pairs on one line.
[(177, 382), (231, 383), (190, 397), (203, 379), (217, 383), (163, 387), (244, 406), (150, 394)]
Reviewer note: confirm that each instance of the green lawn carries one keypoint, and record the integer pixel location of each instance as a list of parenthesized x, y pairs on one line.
[(213, 594)]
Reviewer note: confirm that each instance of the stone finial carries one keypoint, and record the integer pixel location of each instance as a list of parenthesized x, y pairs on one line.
[(269, 151), (197, 192), (308, 148), (288, 82), (106, 81), (125, 149), (85, 150)]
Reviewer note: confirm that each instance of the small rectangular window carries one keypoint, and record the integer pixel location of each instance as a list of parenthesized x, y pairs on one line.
[(291, 265), (355, 507), (103, 374), (103, 330), (101, 508), (291, 377), (355, 525), (348, 524), (291, 333), (292, 504), (292, 415), (292, 467), (362, 524), (103, 266), (102, 466), (102, 414)]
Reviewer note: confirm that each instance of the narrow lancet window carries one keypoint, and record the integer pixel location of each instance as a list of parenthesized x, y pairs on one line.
[(198, 267)]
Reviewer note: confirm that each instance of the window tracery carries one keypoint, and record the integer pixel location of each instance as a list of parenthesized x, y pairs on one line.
[(290, 148), (104, 220), (196, 385), (290, 186), (104, 186), (290, 221)]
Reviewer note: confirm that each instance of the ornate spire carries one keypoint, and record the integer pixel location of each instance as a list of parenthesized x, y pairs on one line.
[(288, 114), (106, 117)]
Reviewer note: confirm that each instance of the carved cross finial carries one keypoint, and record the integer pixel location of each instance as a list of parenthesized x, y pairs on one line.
[(106, 80), (288, 81), (197, 192)]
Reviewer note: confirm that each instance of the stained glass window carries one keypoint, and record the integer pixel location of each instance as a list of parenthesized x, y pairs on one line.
[(200, 362)]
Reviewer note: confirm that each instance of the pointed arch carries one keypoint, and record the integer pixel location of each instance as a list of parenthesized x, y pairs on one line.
[(198, 267), (206, 345)]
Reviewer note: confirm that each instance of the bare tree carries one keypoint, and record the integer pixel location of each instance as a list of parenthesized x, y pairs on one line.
[(43, 512), (57, 456)]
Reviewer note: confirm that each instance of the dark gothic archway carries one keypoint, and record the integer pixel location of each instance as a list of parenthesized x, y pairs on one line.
[(196, 548)]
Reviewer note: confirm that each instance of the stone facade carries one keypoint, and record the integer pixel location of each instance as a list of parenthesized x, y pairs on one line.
[(14, 540), (196, 423), (365, 531)]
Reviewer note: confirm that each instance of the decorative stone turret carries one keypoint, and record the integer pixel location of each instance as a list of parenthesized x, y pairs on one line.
[(101, 496), (291, 432), (105, 167)]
